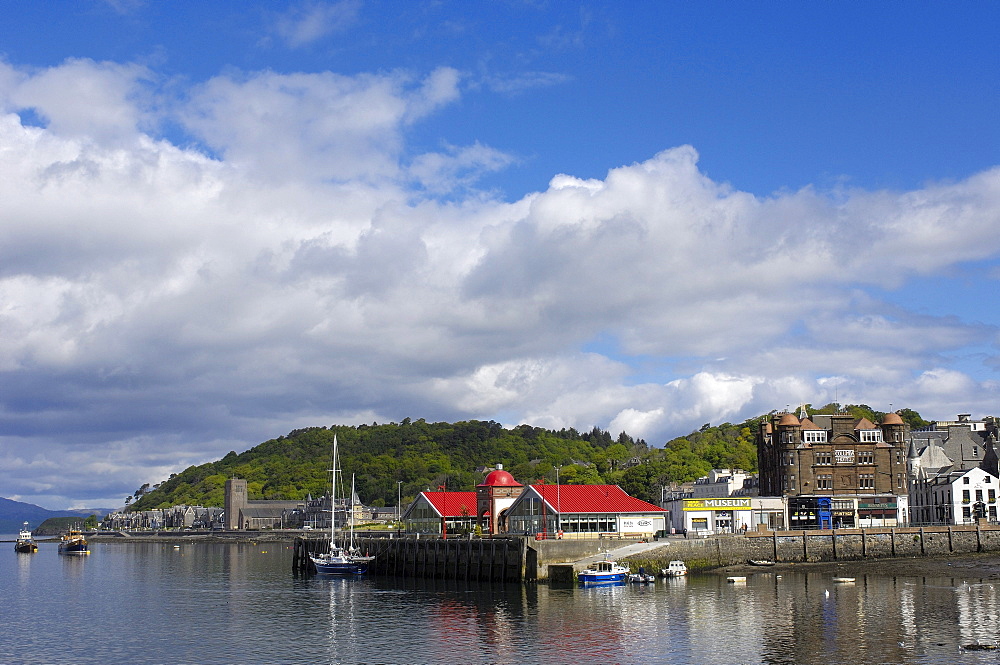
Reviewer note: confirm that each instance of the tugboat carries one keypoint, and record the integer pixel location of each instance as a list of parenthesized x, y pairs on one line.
[(25, 543), (73, 542)]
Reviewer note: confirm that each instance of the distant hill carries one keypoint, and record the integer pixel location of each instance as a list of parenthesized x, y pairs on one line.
[(15, 513), (395, 461)]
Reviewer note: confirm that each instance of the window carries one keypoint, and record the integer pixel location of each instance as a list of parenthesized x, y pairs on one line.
[(975, 451), (814, 436), (965, 496), (824, 481), (871, 436), (979, 495), (866, 481), (986, 480), (791, 459), (965, 480), (992, 495), (824, 458), (866, 457)]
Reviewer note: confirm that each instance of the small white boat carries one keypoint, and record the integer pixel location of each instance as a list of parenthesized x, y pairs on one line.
[(737, 579), (843, 580), (602, 572), (642, 577), (675, 568)]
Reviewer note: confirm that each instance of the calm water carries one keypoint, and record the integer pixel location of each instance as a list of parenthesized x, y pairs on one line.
[(241, 603)]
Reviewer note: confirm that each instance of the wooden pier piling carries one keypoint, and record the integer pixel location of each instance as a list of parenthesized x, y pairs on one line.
[(469, 559)]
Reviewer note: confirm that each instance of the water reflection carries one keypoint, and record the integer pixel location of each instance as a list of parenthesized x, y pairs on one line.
[(225, 603)]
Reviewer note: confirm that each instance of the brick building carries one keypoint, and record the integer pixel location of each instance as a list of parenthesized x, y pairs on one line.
[(835, 469)]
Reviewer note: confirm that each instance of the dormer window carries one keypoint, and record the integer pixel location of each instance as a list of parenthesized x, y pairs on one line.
[(814, 436), (871, 436)]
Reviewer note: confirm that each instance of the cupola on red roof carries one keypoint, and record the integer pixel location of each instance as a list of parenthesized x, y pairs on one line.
[(499, 478)]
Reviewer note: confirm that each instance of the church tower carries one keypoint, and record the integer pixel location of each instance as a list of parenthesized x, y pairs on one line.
[(236, 501)]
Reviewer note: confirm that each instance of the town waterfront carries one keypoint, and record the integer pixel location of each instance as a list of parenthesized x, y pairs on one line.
[(241, 603)]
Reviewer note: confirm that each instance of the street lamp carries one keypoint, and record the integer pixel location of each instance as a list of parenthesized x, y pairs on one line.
[(558, 505), (399, 501)]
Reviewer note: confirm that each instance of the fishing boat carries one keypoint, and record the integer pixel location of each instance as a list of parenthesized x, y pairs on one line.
[(603, 572), (760, 562), (642, 577), (73, 542), (675, 568), (25, 542), (339, 560)]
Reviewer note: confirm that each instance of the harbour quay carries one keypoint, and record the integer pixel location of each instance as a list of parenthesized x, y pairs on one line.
[(527, 559)]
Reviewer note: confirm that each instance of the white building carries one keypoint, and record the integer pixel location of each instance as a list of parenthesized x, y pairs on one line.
[(953, 468)]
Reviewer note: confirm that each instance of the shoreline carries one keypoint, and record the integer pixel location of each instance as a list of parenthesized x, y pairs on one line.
[(981, 566)]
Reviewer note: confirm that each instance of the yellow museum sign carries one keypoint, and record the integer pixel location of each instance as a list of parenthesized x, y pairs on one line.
[(718, 504)]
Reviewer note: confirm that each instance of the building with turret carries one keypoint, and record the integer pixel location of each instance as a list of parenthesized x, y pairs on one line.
[(835, 470)]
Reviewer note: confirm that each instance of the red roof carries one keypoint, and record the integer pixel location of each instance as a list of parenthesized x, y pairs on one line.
[(592, 499), (453, 502)]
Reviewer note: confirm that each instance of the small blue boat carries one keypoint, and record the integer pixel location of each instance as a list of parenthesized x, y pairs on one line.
[(602, 572)]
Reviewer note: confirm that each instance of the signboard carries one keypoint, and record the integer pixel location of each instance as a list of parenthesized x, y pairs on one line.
[(639, 524), (740, 503), (844, 456), (877, 506)]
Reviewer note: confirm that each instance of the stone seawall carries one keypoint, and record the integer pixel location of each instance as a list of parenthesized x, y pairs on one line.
[(811, 546)]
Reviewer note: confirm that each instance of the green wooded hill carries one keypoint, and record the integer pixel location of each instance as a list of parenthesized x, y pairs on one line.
[(421, 456)]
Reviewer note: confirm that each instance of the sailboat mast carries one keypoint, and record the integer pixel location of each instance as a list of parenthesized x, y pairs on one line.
[(352, 512), (333, 497)]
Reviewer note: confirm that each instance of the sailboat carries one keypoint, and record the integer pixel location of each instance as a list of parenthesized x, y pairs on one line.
[(338, 561)]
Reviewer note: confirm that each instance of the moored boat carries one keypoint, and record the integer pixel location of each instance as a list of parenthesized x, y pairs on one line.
[(73, 542), (676, 568), (760, 562), (642, 577), (338, 560), (25, 542), (602, 572)]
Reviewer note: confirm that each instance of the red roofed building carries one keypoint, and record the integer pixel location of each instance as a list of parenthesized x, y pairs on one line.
[(582, 511), (431, 511)]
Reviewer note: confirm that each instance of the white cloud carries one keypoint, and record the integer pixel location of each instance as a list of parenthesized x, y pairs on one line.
[(160, 307), (307, 22)]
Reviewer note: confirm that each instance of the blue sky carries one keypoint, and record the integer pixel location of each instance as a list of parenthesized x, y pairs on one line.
[(223, 221)]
